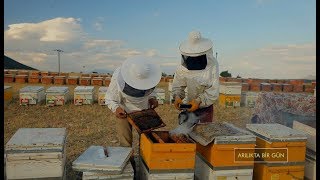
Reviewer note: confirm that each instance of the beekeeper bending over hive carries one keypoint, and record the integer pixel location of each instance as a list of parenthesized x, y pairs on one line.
[(198, 74), (132, 89)]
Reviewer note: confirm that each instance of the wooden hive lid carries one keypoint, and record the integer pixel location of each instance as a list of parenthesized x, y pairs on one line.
[(221, 133), (57, 89), (276, 132), (84, 89), (32, 89), (37, 140), (91, 160)]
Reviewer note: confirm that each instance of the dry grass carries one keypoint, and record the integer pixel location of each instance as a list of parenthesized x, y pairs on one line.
[(92, 124)]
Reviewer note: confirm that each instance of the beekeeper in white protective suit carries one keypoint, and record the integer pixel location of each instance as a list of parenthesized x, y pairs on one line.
[(198, 74), (132, 89)]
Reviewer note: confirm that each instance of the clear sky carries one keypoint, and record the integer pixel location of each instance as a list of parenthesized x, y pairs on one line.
[(253, 38)]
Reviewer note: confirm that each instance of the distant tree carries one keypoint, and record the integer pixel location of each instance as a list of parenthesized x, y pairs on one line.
[(164, 74), (225, 74), (238, 76)]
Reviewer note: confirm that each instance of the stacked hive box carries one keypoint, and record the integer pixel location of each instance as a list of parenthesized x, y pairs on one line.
[(57, 95), (276, 87), (59, 80), (250, 99), (34, 79), (265, 87), (83, 95), (161, 96), (165, 158), (31, 95), (97, 81), (72, 80), (96, 164), (22, 78), (36, 153), (218, 148), (309, 128), (230, 94), (85, 81), (47, 79), (107, 81), (9, 78), (102, 95), (286, 148)]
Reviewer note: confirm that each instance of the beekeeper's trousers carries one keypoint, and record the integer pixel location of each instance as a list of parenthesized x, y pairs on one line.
[(124, 130)]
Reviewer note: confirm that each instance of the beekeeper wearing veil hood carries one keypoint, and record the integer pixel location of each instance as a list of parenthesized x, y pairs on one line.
[(132, 89), (196, 80)]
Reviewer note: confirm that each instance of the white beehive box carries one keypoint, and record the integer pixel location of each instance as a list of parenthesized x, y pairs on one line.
[(83, 95), (310, 168), (204, 171), (145, 174), (250, 99), (31, 95), (57, 95), (310, 133), (127, 174), (161, 95), (93, 161), (230, 88), (102, 95), (170, 86), (36, 153)]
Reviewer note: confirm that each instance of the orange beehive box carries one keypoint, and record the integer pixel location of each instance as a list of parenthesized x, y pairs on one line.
[(308, 88), (59, 80), (107, 81), (85, 81), (72, 80), (313, 83), (44, 73), (279, 136), (287, 88), (221, 144), (23, 72), (46, 79), (34, 79), (53, 74), (229, 100), (265, 87), (272, 81), (277, 87), (255, 81), (278, 172), (297, 88), (167, 155), (245, 87), (21, 78), (255, 87), (34, 73), (97, 81), (296, 81), (8, 78)]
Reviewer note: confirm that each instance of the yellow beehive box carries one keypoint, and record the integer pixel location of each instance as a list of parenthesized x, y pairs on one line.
[(167, 155), (277, 136), (229, 100), (278, 172), (224, 144), (102, 95)]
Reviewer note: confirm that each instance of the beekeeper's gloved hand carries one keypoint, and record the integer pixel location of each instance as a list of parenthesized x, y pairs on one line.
[(120, 113), (194, 105), (153, 103), (177, 102)]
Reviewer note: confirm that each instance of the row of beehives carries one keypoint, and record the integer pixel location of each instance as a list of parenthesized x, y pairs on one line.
[(59, 95), (228, 152), (262, 151), (231, 95)]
